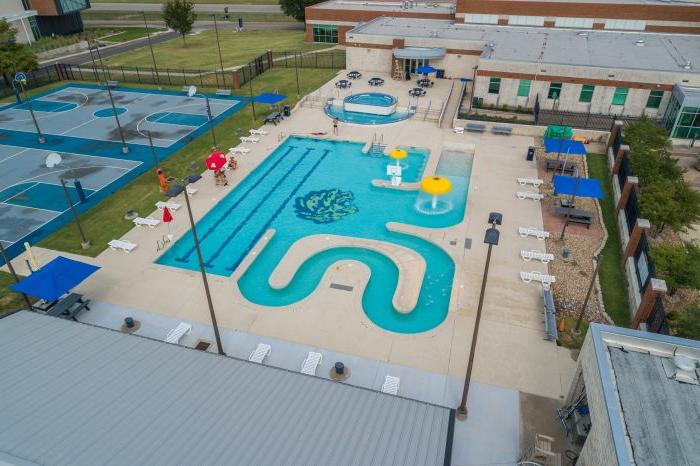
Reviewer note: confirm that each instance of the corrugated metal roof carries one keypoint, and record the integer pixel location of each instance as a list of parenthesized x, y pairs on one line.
[(73, 394)]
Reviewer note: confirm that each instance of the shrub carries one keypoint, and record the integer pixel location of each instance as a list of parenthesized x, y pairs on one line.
[(679, 265), (669, 203), (685, 322)]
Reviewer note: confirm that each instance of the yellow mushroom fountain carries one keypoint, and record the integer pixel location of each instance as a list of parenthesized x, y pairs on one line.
[(436, 186), (398, 155)]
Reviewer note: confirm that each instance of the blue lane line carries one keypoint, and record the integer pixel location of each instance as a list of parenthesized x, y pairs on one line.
[(228, 211), (254, 210), (277, 212)]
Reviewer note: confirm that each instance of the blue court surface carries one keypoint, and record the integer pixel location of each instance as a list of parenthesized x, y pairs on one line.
[(79, 125)]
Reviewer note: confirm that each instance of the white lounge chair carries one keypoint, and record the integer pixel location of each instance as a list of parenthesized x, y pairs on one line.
[(146, 222), (192, 191), (543, 257), (543, 278), (123, 245), (532, 231), (311, 363), (391, 385), (532, 181), (258, 132), (249, 139), (176, 334), (169, 204), (238, 150), (458, 130), (260, 353), (529, 195)]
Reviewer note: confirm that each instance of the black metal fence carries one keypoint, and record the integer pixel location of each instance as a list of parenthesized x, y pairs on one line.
[(657, 321), (334, 59), (37, 78), (594, 121)]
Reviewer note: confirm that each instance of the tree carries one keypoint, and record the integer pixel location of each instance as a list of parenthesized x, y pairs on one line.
[(179, 16), (295, 8), (669, 203), (650, 152), (14, 57), (685, 323), (645, 133), (679, 265)]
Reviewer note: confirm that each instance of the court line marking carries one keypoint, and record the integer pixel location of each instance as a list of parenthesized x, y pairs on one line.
[(33, 183), (25, 149), (31, 207), (40, 226), (45, 115)]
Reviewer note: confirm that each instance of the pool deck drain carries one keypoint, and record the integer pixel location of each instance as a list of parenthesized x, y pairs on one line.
[(338, 286)]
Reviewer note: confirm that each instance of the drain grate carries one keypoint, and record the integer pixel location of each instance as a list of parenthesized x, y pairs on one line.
[(202, 345), (467, 243), (453, 242), (338, 286)]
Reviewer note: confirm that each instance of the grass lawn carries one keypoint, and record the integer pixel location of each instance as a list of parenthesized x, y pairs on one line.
[(223, 2), (106, 220), (613, 279), (126, 15), (122, 34), (201, 52), (9, 300)]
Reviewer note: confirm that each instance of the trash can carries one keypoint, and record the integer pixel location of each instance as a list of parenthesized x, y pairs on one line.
[(287, 110), (531, 153), (440, 74)]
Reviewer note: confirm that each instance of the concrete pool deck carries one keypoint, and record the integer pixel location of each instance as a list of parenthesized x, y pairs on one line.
[(511, 352)]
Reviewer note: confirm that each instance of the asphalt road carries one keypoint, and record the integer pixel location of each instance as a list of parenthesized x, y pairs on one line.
[(233, 8)]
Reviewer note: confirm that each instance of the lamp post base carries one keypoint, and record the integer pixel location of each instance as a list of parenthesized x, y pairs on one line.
[(461, 413), (85, 244), (42, 140), (125, 149)]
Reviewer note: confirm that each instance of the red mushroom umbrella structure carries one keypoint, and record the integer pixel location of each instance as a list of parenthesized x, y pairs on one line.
[(216, 161)]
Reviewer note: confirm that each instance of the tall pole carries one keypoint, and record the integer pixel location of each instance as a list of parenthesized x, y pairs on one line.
[(125, 148), (204, 274), (250, 85), (211, 123), (218, 44), (31, 112), (576, 329), (150, 45), (462, 409), (153, 150), (84, 242), (296, 71), (14, 274), (568, 210)]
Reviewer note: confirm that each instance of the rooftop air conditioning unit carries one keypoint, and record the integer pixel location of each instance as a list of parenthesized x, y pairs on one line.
[(682, 369)]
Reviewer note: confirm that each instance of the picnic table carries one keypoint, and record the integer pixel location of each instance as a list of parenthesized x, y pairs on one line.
[(68, 307), (425, 83), (417, 92), (584, 217), (274, 118), (343, 83), (354, 75), (375, 81), (558, 165)]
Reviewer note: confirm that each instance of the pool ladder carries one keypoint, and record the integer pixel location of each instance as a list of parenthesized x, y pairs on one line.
[(376, 149)]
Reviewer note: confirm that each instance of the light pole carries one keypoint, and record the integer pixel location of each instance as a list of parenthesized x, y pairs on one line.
[(576, 329), (14, 274), (250, 86), (218, 44), (150, 45), (173, 192), (84, 242), (125, 148), (42, 140), (490, 238)]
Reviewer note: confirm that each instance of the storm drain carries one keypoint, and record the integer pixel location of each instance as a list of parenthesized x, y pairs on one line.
[(338, 286), (467, 243), (202, 345), (453, 242)]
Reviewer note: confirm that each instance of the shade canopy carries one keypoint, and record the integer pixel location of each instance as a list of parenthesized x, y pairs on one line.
[(559, 132), (579, 187), (398, 154), (55, 279), (436, 185), (426, 69), (425, 53), (268, 98), (564, 146), (216, 161)]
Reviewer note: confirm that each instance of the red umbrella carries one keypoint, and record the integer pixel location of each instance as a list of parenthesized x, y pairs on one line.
[(167, 218), (216, 161)]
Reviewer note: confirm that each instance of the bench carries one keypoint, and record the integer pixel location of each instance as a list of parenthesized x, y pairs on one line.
[(584, 217), (69, 307), (558, 165), (475, 127), (223, 92), (550, 318), (507, 130), (112, 83)]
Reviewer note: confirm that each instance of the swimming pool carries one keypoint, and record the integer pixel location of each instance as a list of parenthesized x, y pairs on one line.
[(309, 186), (368, 108)]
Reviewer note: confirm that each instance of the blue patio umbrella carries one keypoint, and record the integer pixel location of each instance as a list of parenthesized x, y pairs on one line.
[(576, 186), (425, 69), (567, 146), (269, 98), (55, 279)]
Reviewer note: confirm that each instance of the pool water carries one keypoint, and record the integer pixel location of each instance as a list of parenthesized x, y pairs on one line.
[(309, 186), (371, 98), (359, 118)]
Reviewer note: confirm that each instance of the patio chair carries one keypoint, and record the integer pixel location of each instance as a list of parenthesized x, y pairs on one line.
[(532, 181), (146, 222), (238, 150), (260, 353), (532, 231), (529, 195), (311, 362), (535, 276), (192, 191), (121, 245), (259, 132), (250, 139), (543, 257), (391, 385), (176, 334), (169, 204)]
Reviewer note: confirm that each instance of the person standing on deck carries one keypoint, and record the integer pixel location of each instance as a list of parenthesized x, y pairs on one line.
[(335, 126)]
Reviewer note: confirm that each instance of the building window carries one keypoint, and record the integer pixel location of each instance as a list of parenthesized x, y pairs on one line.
[(586, 94), (554, 91), (325, 33), (626, 24), (69, 6), (584, 23), (494, 85), (526, 20), (620, 96), (524, 88), (34, 27), (654, 100), (688, 126)]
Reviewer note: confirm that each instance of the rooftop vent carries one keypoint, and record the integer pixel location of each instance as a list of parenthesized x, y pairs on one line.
[(682, 369), (639, 43), (582, 34), (687, 66)]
